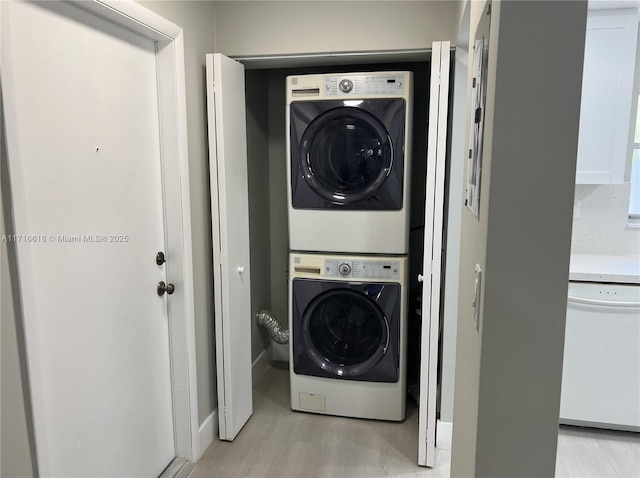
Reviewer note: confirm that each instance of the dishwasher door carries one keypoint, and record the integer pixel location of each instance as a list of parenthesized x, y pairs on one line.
[(601, 371)]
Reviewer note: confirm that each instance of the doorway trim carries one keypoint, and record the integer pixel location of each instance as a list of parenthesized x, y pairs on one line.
[(259, 62), (172, 118)]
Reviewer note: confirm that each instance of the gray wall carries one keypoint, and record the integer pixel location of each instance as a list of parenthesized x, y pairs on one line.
[(281, 27), (267, 199), (279, 227), (17, 448), (197, 18), (258, 128), (508, 375)]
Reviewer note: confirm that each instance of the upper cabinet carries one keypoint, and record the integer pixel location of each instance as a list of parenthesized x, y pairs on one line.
[(607, 96)]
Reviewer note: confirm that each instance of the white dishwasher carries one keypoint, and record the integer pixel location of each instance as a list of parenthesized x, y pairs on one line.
[(601, 371)]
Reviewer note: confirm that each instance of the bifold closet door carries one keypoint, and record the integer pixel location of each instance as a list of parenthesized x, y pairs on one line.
[(431, 268), (230, 220)]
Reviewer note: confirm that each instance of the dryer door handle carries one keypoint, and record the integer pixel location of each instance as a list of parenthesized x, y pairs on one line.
[(420, 278)]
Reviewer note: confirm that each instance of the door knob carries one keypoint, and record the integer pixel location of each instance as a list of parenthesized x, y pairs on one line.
[(168, 288)]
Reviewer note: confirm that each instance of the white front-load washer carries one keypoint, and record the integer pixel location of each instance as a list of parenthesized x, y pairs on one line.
[(348, 161), (347, 322)]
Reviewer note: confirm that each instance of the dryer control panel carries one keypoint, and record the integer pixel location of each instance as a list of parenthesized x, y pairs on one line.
[(356, 86), (364, 85)]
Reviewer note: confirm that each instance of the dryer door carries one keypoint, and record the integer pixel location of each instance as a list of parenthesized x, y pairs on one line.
[(346, 155)]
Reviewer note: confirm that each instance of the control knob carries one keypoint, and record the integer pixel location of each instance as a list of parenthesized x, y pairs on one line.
[(346, 86), (344, 268)]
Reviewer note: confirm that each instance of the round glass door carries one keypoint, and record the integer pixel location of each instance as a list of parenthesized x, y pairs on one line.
[(346, 154), (345, 332)]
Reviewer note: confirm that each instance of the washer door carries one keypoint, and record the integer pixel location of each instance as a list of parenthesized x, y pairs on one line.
[(346, 155), (345, 332)]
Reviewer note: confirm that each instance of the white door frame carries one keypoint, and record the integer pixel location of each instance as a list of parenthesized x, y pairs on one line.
[(169, 43)]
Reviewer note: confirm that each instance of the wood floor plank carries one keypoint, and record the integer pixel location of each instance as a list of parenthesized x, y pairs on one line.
[(588, 452), (280, 443)]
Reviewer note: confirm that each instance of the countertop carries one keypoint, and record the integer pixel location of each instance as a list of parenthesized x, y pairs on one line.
[(592, 268)]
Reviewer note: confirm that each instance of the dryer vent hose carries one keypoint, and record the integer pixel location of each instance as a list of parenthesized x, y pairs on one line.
[(269, 322)]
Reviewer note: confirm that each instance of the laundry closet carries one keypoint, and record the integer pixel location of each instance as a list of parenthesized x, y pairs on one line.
[(267, 203), (265, 90)]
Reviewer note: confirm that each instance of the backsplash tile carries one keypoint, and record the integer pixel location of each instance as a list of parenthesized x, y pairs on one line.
[(601, 225)]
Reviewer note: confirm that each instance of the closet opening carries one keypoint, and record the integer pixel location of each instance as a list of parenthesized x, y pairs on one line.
[(268, 219)]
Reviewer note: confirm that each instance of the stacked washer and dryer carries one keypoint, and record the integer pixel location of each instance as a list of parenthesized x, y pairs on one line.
[(348, 159)]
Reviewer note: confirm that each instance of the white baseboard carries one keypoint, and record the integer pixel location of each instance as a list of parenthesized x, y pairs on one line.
[(209, 427), (207, 432), (261, 364), (444, 434)]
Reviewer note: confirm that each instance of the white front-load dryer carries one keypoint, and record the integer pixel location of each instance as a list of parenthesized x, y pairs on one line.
[(347, 322), (348, 161)]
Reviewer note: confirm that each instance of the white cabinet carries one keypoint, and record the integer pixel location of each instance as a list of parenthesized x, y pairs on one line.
[(607, 92)]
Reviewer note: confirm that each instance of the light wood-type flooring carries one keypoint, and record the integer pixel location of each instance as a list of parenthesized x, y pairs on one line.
[(277, 442)]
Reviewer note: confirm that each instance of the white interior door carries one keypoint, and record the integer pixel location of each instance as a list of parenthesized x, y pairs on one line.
[(81, 104), (230, 219), (431, 268)]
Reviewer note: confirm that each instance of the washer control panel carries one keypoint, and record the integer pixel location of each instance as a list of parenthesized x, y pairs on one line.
[(363, 85), (344, 269), (346, 85), (362, 269)]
